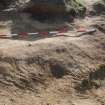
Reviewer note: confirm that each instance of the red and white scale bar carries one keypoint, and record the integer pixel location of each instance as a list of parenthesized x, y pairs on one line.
[(46, 33), (23, 34)]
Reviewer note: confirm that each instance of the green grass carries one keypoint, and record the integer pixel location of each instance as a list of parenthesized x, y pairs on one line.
[(78, 6)]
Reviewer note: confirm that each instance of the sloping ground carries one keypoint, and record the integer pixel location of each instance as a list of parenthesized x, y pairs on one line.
[(53, 71)]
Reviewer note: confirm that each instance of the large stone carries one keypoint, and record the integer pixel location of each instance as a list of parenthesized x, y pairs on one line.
[(48, 6)]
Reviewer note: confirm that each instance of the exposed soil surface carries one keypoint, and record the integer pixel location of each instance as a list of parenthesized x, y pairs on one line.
[(63, 70)]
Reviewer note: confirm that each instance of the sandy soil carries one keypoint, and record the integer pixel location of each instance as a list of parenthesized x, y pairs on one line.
[(51, 71)]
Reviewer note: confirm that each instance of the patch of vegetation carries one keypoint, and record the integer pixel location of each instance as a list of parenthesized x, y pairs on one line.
[(94, 80), (77, 6)]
